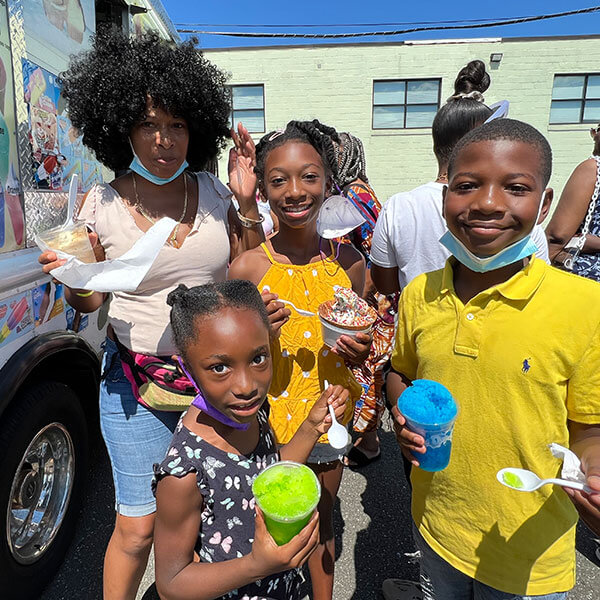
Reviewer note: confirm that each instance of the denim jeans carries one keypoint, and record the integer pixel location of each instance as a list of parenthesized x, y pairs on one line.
[(136, 437)]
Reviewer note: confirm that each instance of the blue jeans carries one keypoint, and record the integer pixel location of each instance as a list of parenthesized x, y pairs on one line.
[(136, 437), (441, 581)]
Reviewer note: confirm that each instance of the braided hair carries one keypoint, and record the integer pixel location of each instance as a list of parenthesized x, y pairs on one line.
[(350, 163), (319, 136), (187, 304)]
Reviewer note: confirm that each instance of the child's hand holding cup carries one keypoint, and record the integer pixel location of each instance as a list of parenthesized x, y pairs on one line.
[(424, 422), (267, 557)]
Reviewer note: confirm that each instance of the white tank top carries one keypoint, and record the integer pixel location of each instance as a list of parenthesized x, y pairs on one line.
[(140, 319)]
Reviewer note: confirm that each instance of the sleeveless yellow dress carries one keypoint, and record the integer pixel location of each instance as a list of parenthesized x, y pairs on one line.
[(301, 361)]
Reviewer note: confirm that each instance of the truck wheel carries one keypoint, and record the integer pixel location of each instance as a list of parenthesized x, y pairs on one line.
[(43, 444)]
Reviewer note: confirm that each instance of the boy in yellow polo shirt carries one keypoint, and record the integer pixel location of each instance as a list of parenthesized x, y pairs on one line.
[(517, 342)]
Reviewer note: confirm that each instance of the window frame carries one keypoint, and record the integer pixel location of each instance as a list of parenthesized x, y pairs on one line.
[(405, 104), (581, 100), (242, 110)]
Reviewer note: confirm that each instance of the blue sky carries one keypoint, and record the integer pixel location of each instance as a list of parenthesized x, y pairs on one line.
[(327, 13)]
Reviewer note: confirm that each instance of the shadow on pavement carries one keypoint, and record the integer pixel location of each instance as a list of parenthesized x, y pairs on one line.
[(588, 543), (380, 549)]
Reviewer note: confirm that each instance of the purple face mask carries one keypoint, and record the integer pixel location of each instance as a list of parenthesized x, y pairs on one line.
[(200, 403)]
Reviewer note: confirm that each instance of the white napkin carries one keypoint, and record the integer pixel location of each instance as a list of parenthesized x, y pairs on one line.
[(122, 274), (571, 469)]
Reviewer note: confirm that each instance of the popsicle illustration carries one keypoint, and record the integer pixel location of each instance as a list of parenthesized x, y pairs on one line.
[(13, 204), (18, 312)]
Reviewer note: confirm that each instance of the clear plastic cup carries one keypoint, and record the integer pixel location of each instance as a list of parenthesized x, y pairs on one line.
[(71, 239), (288, 494), (438, 441), (436, 432)]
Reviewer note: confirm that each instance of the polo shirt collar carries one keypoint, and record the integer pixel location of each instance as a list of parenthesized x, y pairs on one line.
[(520, 286)]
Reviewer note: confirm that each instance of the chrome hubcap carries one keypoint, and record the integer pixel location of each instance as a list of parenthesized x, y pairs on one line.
[(40, 493)]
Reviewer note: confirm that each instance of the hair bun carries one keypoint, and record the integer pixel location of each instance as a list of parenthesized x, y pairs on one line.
[(177, 295), (472, 78)]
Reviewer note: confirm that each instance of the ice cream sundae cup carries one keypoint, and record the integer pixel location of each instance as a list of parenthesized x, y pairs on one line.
[(346, 314)]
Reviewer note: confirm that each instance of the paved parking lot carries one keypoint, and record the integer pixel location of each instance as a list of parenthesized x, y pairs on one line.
[(371, 520)]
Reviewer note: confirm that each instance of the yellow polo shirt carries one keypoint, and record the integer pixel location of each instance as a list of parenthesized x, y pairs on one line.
[(521, 359)]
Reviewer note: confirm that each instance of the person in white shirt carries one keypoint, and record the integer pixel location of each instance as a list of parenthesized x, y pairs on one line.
[(406, 238)]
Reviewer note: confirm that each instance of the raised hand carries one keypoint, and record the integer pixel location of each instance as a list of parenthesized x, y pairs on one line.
[(242, 160)]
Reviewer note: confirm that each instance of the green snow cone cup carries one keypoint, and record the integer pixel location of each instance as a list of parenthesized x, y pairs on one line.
[(288, 494)]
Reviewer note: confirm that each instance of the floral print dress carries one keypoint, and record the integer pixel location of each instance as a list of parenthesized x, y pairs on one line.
[(225, 482)]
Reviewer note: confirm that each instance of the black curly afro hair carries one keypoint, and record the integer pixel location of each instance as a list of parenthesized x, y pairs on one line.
[(106, 90)]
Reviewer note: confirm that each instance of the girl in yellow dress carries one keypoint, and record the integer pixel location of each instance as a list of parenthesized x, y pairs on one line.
[(297, 265)]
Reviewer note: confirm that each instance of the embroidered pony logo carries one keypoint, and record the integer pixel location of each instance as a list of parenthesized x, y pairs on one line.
[(526, 366)]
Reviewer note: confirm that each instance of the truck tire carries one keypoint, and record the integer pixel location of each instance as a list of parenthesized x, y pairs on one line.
[(43, 445)]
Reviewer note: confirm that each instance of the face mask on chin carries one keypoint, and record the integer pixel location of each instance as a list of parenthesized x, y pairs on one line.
[(137, 167), (517, 251)]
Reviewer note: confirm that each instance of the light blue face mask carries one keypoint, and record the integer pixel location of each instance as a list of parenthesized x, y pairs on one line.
[(137, 167), (507, 256)]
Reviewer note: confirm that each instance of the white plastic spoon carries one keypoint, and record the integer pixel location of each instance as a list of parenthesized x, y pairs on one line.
[(300, 311), (72, 199), (337, 434), (523, 480)]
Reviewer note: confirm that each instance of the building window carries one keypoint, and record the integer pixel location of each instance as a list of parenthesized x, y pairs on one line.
[(248, 107), (575, 99), (405, 103)]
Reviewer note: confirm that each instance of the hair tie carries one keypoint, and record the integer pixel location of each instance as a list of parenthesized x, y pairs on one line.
[(475, 95)]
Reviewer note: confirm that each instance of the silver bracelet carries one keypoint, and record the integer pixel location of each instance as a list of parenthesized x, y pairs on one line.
[(249, 223)]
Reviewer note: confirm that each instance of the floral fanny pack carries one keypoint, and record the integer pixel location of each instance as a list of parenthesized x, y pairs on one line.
[(157, 382)]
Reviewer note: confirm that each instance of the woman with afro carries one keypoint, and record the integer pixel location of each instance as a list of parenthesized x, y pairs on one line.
[(155, 113)]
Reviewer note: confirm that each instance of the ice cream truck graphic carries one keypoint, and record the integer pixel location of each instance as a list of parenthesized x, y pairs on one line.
[(49, 354)]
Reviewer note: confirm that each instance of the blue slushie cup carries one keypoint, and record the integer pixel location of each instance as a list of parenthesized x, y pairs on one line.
[(430, 410)]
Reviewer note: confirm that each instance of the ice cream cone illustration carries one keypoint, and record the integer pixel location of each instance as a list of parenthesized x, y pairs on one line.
[(15, 317), (35, 87)]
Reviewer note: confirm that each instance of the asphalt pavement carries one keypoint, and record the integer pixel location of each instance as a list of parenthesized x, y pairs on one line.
[(372, 525)]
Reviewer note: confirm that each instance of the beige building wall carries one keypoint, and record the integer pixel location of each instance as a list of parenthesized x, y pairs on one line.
[(335, 85)]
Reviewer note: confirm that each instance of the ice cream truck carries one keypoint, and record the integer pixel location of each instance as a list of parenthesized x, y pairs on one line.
[(49, 353)]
